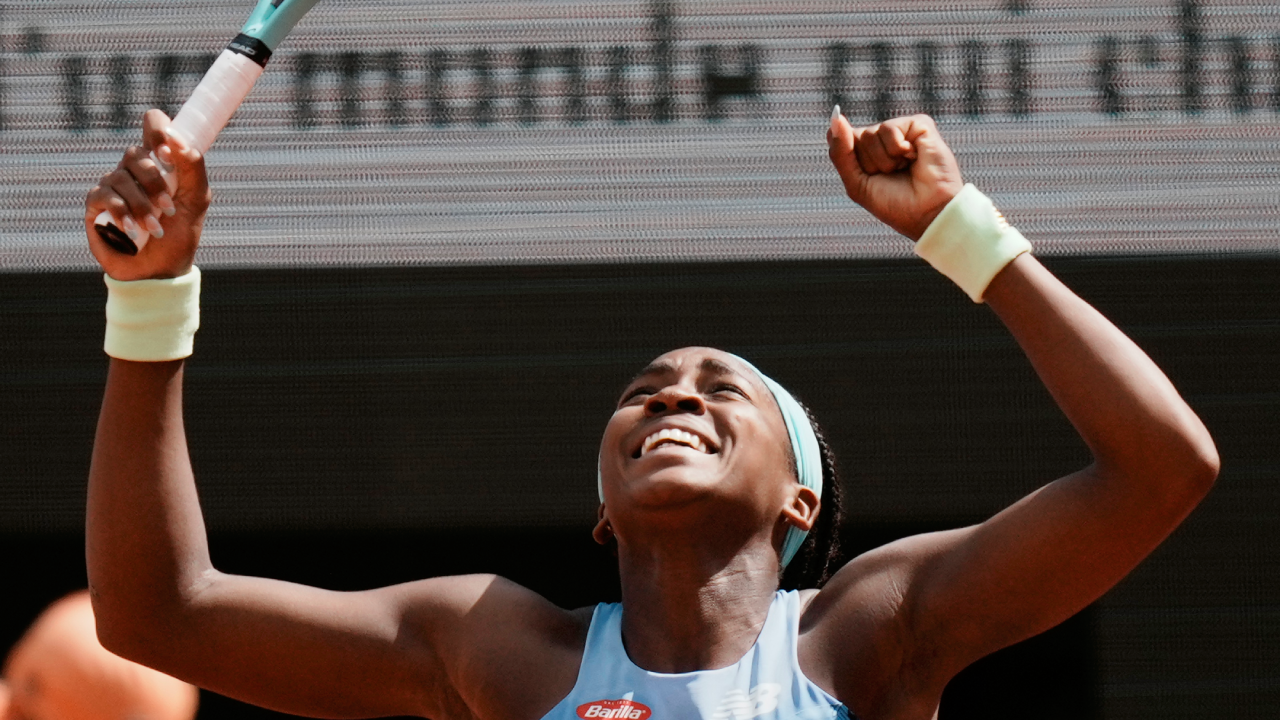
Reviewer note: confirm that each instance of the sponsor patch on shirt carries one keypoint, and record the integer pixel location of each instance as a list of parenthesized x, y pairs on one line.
[(620, 709)]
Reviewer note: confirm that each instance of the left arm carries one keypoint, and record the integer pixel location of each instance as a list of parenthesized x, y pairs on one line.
[(951, 597), (1046, 557)]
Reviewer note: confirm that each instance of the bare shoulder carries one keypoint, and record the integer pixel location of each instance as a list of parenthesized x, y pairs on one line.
[(855, 633), (507, 651)]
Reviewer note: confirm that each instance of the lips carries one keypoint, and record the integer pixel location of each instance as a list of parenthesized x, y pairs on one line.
[(674, 436)]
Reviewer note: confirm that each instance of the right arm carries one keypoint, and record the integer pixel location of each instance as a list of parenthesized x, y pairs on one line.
[(444, 648)]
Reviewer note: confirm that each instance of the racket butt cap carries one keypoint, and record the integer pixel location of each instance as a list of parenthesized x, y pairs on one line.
[(116, 239)]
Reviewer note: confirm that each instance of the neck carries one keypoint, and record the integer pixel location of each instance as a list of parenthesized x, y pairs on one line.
[(688, 607)]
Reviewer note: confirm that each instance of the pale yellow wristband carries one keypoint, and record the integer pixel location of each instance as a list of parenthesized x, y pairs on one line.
[(970, 242), (152, 320)]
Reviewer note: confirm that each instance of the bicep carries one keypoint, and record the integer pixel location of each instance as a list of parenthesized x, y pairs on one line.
[(971, 591), (315, 652), (900, 621)]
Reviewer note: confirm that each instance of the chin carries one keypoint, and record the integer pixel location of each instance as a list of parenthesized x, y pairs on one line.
[(671, 487)]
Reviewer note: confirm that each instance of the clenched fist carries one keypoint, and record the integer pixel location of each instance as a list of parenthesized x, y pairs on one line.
[(900, 170), (136, 195)]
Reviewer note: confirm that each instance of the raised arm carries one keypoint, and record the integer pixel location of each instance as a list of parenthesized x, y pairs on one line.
[(443, 648), (949, 598)]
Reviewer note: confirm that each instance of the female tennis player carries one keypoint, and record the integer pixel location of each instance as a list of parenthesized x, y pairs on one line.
[(712, 479)]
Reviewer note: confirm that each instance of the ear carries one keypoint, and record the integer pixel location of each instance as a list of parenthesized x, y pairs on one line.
[(603, 531), (802, 510)]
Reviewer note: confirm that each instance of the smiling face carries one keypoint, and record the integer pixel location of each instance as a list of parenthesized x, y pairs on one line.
[(697, 432)]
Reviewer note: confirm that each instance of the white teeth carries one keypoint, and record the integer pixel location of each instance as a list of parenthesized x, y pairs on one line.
[(673, 436)]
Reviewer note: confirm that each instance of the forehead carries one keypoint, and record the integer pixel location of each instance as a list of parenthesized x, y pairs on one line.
[(701, 360)]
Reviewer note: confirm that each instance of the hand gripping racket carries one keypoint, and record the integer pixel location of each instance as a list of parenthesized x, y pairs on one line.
[(216, 98)]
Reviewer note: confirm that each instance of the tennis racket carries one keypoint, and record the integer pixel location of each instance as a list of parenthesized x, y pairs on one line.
[(216, 98)]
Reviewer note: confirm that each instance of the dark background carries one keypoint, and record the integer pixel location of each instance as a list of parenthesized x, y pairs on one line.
[(355, 427)]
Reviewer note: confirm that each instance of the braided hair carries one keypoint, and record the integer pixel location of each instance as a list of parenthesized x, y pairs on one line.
[(821, 555)]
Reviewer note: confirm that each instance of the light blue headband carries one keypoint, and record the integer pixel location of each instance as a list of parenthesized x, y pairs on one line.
[(804, 446)]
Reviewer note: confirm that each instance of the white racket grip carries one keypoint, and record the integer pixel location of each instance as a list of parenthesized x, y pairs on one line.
[(202, 117), (215, 99)]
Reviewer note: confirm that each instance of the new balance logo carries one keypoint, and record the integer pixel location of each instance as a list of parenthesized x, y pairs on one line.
[(738, 705)]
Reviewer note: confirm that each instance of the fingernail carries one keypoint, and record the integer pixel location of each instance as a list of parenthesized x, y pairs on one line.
[(835, 112), (165, 156), (131, 228), (153, 227), (172, 134), (166, 204)]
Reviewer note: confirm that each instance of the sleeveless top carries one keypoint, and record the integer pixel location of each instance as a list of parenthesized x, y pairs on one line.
[(766, 683)]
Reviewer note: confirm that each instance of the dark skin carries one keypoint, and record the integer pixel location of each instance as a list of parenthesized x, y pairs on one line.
[(884, 636)]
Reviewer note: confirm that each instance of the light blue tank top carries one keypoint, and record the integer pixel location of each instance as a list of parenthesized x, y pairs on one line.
[(766, 683)]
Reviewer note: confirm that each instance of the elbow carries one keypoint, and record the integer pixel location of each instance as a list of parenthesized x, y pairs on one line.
[(114, 641), (1205, 465), (1192, 468), (1201, 463), (1174, 472), (139, 643), (151, 629), (141, 632), (116, 636), (121, 632)]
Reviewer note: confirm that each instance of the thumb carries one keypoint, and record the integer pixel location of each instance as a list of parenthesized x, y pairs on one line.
[(928, 145), (840, 150), (154, 124), (188, 166)]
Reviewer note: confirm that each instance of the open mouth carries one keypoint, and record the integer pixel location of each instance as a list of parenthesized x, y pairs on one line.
[(672, 436)]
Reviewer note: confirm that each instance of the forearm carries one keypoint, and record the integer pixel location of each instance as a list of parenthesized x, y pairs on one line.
[(146, 546), (1126, 410), (1123, 406)]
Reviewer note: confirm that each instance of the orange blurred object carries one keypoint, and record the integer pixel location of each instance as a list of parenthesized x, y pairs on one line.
[(59, 671)]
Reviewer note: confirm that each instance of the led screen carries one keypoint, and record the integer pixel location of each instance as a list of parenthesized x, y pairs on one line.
[(410, 132)]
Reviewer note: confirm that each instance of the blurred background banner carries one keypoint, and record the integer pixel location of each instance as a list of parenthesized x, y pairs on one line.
[(444, 235), (407, 132)]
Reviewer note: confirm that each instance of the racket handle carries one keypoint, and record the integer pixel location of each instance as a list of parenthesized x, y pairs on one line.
[(215, 99), (201, 118)]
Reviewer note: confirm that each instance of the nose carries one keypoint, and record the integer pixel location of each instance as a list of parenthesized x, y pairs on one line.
[(672, 399)]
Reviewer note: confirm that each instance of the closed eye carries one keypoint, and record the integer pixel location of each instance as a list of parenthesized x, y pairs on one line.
[(636, 392), (729, 387)]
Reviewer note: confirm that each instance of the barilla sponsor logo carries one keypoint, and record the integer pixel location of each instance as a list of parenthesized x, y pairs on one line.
[(621, 709)]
